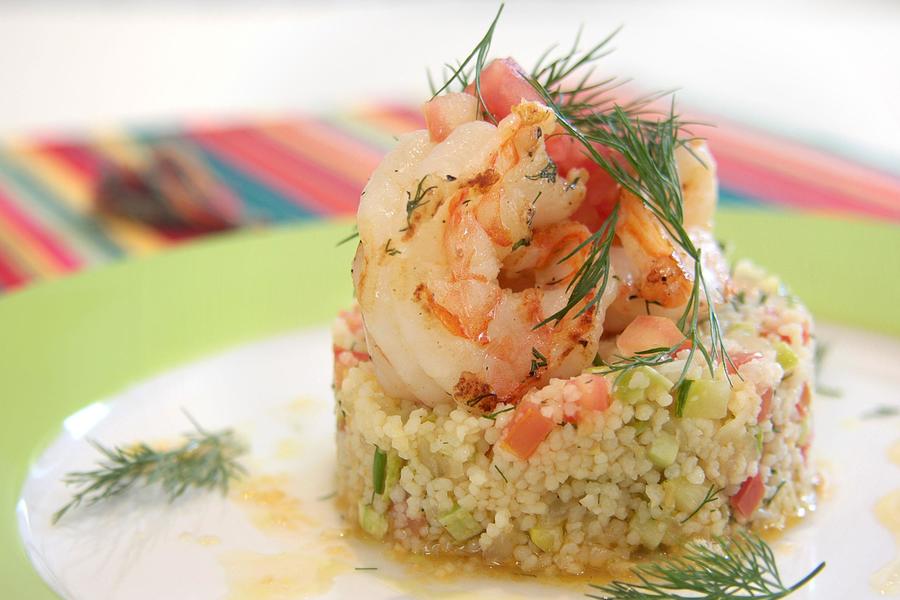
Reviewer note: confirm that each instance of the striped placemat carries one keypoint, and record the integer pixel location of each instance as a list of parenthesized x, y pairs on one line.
[(309, 167)]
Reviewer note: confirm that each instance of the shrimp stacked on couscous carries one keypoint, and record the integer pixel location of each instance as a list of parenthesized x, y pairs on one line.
[(539, 371)]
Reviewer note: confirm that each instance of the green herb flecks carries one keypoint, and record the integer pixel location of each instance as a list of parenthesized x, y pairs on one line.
[(501, 474), (712, 494), (739, 568), (390, 250), (379, 470), (768, 500), (538, 361), (548, 173), (492, 416), (415, 202), (521, 244), (206, 460)]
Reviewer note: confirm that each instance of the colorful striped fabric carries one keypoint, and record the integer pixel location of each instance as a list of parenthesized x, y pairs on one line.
[(309, 167)]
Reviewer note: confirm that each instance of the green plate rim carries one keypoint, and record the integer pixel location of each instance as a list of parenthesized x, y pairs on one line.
[(72, 341)]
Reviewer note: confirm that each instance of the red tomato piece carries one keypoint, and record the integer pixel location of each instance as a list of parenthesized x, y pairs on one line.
[(596, 396), (602, 190), (646, 332), (445, 113), (765, 406), (805, 399), (739, 359), (748, 498), (503, 85), (528, 429)]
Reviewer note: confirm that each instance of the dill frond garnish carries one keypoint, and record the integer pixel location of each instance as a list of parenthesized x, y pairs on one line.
[(461, 76), (492, 416), (739, 568), (206, 460), (712, 494), (644, 143), (355, 234)]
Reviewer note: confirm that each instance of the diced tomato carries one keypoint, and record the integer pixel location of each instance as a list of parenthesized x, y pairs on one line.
[(353, 320), (445, 113), (503, 85), (646, 332), (805, 399), (685, 345), (804, 450), (360, 356), (596, 396), (602, 190), (739, 359), (527, 430), (747, 499), (765, 406)]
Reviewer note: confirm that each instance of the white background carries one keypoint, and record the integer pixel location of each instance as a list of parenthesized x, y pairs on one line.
[(826, 71)]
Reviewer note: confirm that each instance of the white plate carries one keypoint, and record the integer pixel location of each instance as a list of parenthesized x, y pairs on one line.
[(274, 537)]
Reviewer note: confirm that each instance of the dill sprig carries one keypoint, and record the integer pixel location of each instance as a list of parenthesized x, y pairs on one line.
[(739, 568), (712, 494), (648, 170), (206, 460), (644, 143), (462, 76)]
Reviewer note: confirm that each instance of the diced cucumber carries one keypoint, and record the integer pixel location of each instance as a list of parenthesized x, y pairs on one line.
[(687, 496), (651, 532), (785, 356), (639, 384), (372, 522), (707, 399), (663, 450), (460, 524), (548, 539), (392, 471)]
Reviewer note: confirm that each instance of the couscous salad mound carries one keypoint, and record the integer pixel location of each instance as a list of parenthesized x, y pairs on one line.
[(551, 365)]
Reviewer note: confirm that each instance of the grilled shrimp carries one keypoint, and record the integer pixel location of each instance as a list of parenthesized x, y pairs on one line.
[(656, 274), (460, 259)]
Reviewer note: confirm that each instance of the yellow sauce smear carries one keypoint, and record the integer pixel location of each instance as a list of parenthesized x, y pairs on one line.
[(286, 575), (309, 565), (886, 580)]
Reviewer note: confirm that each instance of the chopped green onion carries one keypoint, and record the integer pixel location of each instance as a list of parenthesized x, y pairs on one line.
[(379, 472)]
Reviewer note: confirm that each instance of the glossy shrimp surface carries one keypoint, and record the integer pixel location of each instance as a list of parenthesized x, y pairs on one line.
[(466, 246)]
